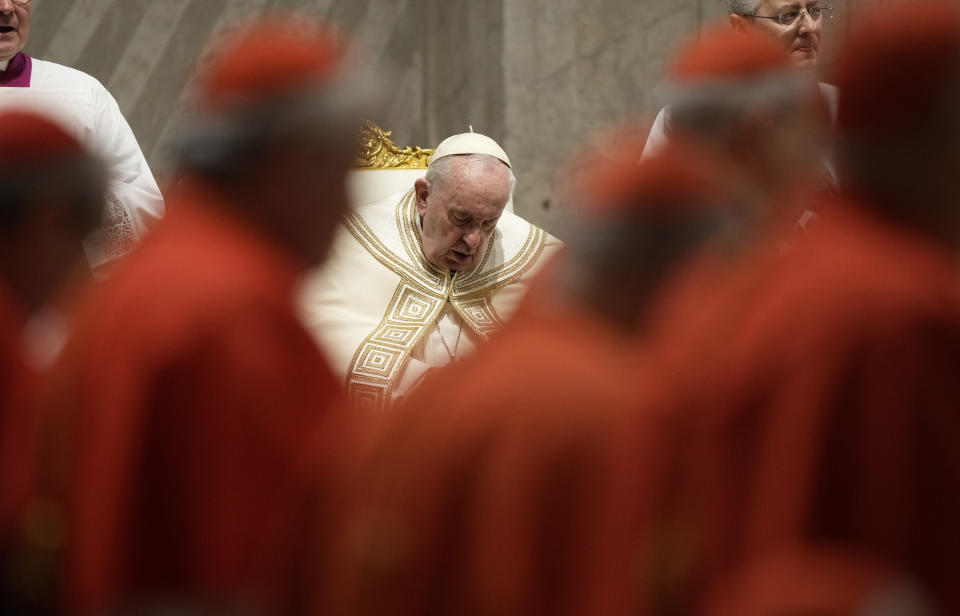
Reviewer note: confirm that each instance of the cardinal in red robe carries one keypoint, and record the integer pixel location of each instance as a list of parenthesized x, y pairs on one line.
[(13, 374), (813, 397), (804, 579), (50, 194), (180, 417)]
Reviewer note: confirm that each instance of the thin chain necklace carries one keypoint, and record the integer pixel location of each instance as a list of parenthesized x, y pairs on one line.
[(453, 353), (436, 321)]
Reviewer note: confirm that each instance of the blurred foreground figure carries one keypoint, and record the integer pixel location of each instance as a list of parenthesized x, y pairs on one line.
[(738, 95), (825, 582), (794, 26), (505, 483), (634, 227), (51, 196), (185, 401), (417, 280), (818, 389), (133, 203)]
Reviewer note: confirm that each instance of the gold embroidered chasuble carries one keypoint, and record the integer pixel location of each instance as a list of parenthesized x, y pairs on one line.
[(377, 297)]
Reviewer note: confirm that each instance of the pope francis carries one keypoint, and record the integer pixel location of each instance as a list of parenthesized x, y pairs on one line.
[(416, 280)]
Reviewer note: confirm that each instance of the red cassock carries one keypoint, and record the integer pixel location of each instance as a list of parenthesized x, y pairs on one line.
[(814, 398), (501, 486), (809, 580), (178, 419), (16, 419)]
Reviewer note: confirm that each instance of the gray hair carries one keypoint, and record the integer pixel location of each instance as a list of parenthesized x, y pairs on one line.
[(743, 7), (438, 169)]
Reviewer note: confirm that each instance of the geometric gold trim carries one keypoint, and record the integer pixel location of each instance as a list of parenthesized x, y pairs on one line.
[(419, 299), (379, 360), (376, 151)]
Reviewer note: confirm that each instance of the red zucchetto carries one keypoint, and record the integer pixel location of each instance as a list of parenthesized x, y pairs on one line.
[(273, 56), (677, 180), (721, 52)]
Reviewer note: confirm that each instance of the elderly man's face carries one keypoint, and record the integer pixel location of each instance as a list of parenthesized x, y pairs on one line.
[(460, 213), (801, 37), (14, 28)]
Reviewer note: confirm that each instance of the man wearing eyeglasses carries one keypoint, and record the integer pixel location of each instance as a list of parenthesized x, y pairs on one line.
[(85, 107), (799, 25)]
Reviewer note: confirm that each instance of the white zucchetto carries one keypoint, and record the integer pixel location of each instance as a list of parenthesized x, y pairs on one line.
[(470, 143)]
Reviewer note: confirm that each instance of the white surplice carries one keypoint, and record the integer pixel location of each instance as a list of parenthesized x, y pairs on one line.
[(81, 103)]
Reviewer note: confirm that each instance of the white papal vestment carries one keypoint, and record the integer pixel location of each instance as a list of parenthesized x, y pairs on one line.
[(377, 304), (89, 111)]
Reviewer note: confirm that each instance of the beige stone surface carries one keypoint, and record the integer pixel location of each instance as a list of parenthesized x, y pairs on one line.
[(541, 76)]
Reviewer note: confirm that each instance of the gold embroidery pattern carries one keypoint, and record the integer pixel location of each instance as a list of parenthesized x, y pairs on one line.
[(479, 314), (489, 282), (419, 298), (428, 275), (377, 362)]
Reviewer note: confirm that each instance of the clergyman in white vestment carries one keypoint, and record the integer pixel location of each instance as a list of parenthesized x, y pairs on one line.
[(418, 279), (84, 107)]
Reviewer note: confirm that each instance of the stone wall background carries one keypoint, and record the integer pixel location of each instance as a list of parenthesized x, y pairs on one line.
[(540, 76)]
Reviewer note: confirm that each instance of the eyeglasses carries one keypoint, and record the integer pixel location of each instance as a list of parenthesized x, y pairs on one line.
[(790, 16)]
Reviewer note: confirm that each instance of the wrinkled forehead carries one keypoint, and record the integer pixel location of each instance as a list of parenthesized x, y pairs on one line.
[(778, 6), (477, 177), (476, 202)]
